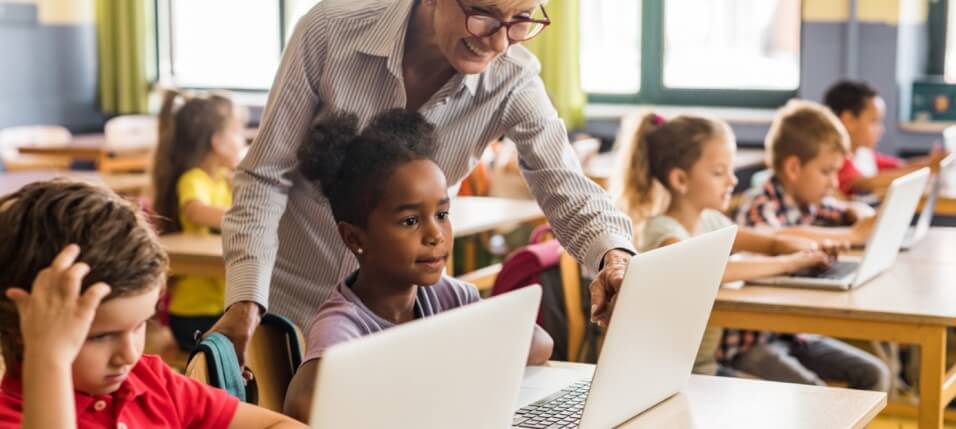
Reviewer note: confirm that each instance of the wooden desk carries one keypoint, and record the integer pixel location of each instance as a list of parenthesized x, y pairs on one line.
[(914, 302), (93, 147), (202, 255), (722, 402), (603, 166), (937, 247), (133, 183)]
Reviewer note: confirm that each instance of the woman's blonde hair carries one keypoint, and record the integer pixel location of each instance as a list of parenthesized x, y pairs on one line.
[(654, 150)]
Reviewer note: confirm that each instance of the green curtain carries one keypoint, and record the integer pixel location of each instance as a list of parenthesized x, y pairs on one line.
[(558, 49), (121, 33)]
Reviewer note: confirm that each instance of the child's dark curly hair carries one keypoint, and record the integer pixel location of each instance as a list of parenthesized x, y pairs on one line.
[(352, 166)]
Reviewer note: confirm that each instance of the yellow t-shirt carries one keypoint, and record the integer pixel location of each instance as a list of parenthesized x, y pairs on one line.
[(199, 295)]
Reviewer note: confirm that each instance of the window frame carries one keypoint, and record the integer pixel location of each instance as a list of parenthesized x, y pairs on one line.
[(653, 90)]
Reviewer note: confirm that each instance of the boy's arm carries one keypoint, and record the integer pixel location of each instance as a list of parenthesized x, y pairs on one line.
[(883, 179), (249, 416), (541, 346), (298, 396), (54, 323)]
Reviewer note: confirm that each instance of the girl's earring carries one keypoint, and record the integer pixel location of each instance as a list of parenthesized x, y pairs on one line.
[(360, 251)]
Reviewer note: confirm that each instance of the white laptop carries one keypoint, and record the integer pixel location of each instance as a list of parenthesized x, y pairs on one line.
[(457, 369), (892, 221), (916, 232), (650, 346)]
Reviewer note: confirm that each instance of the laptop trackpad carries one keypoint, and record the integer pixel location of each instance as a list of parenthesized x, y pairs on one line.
[(541, 381)]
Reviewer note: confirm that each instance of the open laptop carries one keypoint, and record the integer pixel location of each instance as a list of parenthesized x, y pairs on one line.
[(916, 232), (457, 369), (892, 220), (652, 339)]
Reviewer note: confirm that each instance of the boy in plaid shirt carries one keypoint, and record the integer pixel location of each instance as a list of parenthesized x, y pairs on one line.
[(806, 146)]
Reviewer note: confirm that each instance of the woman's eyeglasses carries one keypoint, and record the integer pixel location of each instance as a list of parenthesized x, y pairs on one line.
[(482, 24)]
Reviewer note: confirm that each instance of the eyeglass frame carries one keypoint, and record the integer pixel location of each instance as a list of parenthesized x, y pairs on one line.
[(506, 25)]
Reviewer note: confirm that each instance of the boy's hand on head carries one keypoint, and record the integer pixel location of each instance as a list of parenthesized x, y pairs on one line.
[(54, 317)]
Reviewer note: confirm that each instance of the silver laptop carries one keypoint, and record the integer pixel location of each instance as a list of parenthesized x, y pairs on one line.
[(893, 219), (650, 346), (458, 369), (916, 232)]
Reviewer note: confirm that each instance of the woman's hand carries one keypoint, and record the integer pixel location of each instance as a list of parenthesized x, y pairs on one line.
[(238, 323), (607, 284), (55, 318)]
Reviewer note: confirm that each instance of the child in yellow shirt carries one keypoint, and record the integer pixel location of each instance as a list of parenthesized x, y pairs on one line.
[(200, 145)]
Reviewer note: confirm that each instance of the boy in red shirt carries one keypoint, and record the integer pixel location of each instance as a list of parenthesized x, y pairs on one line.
[(82, 272), (861, 109)]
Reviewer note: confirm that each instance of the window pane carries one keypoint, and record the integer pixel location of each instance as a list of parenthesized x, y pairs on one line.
[(611, 46), (295, 9), (732, 44), (949, 61), (234, 49)]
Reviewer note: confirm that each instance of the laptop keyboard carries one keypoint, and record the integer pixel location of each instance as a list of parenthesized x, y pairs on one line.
[(838, 270), (558, 411)]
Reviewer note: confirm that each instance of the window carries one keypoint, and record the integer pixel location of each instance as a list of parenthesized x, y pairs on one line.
[(611, 29), (233, 44), (718, 52), (732, 44)]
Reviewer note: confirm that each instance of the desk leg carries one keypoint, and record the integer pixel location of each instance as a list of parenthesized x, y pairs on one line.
[(932, 370)]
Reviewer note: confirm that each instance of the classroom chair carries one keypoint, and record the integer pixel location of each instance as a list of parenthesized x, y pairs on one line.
[(130, 140), (275, 353), (11, 139)]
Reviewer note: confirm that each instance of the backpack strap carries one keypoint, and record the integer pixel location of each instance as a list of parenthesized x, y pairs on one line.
[(223, 365)]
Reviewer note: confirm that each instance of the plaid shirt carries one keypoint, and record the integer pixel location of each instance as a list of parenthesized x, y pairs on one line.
[(769, 205)]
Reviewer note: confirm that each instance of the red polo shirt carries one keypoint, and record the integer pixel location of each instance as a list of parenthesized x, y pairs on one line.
[(153, 396)]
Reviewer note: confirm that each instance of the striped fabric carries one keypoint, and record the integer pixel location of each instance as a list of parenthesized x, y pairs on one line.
[(280, 242)]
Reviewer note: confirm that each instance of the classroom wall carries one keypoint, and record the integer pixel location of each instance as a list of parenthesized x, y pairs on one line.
[(48, 61), (887, 45)]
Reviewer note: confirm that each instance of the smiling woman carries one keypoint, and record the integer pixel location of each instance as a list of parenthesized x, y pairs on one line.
[(459, 64)]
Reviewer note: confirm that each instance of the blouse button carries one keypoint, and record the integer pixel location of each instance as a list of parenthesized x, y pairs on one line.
[(99, 405)]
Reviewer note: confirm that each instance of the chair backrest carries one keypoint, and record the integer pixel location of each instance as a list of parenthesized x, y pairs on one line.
[(132, 132), (274, 355), (37, 135)]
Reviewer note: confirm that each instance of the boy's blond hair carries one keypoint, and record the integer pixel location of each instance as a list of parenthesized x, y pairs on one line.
[(803, 128)]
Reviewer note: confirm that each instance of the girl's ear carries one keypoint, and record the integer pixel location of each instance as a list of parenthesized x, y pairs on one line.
[(679, 182), (353, 237), (792, 168)]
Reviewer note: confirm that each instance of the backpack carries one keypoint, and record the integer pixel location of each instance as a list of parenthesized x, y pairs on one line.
[(538, 263)]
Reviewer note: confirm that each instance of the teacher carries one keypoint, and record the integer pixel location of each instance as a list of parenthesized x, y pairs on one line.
[(457, 62)]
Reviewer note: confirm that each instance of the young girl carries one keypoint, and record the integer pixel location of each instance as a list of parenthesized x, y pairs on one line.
[(390, 201), (82, 274), (678, 179), (690, 160), (200, 144)]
